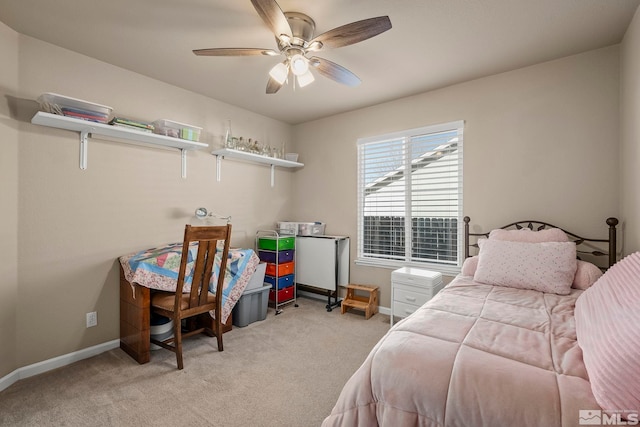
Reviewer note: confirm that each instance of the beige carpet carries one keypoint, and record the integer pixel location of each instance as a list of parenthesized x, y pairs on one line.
[(284, 371)]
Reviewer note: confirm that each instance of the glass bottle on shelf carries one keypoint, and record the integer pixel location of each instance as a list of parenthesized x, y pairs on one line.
[(228, 137)]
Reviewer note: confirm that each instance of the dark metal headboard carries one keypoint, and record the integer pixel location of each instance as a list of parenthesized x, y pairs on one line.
[(539, 225)]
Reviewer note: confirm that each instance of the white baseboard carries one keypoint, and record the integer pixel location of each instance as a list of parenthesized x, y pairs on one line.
[(381, 310), (67, 359), (56, 362)]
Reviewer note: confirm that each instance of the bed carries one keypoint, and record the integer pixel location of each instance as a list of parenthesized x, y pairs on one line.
[(528, 334)]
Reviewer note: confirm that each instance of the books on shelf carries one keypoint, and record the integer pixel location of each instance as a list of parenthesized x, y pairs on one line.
[(132, 128), (132, 124)]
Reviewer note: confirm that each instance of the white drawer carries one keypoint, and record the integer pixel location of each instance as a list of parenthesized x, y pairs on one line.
[(416, 287), (401, 309), (416, 275), (411, 295)]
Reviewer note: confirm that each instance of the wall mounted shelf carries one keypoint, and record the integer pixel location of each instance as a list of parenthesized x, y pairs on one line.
[(253, 158), (122, 134)]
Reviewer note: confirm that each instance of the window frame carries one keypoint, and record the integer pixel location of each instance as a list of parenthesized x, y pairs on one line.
[(406, 135)]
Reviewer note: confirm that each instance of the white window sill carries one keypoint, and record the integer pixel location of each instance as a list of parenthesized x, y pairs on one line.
[(449, 270)]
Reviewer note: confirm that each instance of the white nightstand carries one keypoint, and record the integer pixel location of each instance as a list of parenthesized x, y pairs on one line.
[(410, 288)]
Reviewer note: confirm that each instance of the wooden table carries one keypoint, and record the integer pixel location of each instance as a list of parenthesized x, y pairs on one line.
[(135, 314)]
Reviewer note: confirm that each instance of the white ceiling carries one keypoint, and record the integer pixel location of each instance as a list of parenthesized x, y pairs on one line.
[(433, 43)]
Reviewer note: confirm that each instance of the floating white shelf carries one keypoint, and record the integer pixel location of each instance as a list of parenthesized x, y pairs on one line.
[(251, 157), (130, 136)]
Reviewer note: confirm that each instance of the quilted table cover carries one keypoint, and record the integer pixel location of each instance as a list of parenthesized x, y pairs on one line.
[(157, 268)]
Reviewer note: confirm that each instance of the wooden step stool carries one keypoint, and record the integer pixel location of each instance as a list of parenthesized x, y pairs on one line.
[(367, 303)]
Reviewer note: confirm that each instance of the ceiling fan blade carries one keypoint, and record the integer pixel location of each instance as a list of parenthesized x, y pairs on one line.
[(354, 32), (334, 71), (273, 16), (234, 52), (273, 86)]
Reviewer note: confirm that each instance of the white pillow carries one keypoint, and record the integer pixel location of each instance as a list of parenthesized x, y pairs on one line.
[(546, 267)]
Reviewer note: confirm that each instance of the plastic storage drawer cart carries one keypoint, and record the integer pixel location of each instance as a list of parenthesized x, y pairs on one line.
[(279, 252)]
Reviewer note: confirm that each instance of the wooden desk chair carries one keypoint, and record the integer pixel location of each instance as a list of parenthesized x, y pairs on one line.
[(199, 301)]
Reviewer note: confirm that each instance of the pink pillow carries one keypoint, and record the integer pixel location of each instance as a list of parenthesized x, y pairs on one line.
[(608, 330), (469, 266), (526, 235), (546, 267), (586, 275)]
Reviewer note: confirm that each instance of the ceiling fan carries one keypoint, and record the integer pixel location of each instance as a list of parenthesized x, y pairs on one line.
[(295, 38)]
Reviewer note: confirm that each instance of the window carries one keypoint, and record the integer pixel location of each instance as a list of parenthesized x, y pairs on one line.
[(410, 198)]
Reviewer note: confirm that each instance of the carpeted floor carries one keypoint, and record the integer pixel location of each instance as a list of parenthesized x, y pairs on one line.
[(287, 370)]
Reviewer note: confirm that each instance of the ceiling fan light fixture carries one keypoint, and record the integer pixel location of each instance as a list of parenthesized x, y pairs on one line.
[(305, 79), (294, 35), (279, 72), (299, 64)]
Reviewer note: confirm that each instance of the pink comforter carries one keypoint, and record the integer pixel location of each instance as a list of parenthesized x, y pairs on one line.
[(475, 355)]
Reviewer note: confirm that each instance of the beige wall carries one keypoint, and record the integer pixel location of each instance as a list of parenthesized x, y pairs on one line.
[(630, 135), (540, 142), (74, 224), (9, 199)]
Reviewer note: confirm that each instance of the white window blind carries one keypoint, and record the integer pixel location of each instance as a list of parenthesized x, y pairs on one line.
[(410, 196)]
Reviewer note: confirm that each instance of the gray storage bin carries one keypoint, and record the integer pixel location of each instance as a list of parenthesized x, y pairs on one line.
[(251, 307), (257, 278)]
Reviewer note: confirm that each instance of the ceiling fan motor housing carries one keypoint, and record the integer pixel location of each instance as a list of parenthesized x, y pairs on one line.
[(302, 29)]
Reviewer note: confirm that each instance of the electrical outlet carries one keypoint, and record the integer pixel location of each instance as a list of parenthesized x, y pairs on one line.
[(92, 319)]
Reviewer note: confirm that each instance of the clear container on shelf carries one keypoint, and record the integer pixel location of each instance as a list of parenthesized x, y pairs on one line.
[(301, 228), (177, 130), (72, 107)]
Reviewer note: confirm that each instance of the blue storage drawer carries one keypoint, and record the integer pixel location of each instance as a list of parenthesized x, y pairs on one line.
[(283, 282), (270, 256)]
